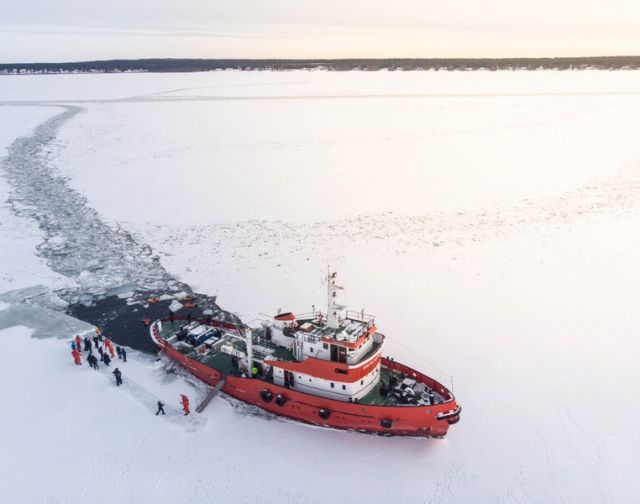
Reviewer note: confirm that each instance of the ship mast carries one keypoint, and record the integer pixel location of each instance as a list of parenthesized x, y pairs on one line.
[(333, 308), (249, 340)]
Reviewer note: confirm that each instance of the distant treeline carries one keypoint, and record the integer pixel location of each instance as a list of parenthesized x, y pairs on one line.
[(205, 65)]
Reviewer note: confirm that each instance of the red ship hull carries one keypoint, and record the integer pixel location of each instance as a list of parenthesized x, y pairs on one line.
[(421, 421)]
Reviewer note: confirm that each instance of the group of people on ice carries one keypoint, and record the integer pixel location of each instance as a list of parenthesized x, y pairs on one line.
[(104, 346)]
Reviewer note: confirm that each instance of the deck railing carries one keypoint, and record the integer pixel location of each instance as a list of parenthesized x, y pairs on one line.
[(356, 316), (360, 316)]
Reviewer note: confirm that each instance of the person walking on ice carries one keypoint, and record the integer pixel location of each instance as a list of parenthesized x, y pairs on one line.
[(160, 408), (118, 375), (78, 343), (75, 353), (119, 351), (185, 403), (123, 352)]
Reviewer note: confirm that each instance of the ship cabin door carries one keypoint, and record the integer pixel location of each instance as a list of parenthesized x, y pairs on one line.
[(338, 353), (288, 379)]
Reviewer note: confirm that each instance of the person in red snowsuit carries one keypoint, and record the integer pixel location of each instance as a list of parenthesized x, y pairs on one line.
[(78, 343), (185, 403), (76, 357), (109, 345)]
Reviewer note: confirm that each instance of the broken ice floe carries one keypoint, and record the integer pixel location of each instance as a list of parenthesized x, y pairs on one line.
[(45, 322), (175, 305), (36, 295), (102, 259)]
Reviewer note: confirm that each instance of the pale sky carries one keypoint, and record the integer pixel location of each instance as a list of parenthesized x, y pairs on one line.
[(71, 30)]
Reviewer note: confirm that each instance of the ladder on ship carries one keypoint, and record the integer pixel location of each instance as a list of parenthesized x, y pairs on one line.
[(212, 393)]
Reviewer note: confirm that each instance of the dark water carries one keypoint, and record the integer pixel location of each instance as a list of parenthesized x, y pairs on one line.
[(125, 324)]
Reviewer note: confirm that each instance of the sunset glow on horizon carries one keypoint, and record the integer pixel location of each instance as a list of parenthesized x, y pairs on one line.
[(71, 31)]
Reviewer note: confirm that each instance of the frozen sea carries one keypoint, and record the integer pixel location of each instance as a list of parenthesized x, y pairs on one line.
[(489, 219)]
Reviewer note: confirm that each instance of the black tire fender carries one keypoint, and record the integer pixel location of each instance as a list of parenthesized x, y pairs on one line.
[(266, 395)]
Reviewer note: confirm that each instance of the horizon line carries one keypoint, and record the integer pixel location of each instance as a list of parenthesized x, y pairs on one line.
[(298, 60)]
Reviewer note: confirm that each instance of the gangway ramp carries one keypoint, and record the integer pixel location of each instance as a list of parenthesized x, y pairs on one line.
[(212, 393)]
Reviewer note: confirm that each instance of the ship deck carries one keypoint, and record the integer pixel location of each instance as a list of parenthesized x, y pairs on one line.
[(375, 398), (349, 329), (223, 362)]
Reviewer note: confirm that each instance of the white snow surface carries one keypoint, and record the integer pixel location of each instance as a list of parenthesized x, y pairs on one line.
[(19, 236), (489, 220), (310, 146)]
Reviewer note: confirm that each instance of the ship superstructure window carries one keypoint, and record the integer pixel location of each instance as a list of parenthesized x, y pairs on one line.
[(341, 371), (344, 387), (325, 346), (332, 384)]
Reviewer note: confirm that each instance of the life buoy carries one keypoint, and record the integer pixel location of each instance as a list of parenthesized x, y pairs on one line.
[(387, 423), (324, 413), (266, 395), (280, 400)]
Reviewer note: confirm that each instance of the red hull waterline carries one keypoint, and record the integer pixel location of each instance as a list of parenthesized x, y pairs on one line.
[(419, 421)]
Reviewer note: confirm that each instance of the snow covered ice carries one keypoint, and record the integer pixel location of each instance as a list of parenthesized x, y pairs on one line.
[(488, 219)]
